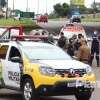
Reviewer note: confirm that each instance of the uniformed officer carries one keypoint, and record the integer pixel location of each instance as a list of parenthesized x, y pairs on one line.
[(70, 48), (84, 52), (62, 41), (77, 43), (95, 47)]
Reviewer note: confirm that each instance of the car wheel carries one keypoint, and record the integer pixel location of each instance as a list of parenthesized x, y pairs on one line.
[(83, 96), (28, 90)]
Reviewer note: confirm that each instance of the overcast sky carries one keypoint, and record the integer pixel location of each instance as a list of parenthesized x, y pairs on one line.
[(33, 4)]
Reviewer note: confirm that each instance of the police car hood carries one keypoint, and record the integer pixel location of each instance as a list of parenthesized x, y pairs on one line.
[(63, 64)]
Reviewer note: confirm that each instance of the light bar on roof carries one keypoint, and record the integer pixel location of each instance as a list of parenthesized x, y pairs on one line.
[(29, 37)]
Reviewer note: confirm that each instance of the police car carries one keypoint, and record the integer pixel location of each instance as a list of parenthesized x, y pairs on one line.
[(71, 29), (42, 69)]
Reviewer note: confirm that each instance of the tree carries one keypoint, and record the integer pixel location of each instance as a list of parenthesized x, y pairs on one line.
[(61, 10), (58, 9), (2, 3), (82, 9), (94, 6), (65, 7)]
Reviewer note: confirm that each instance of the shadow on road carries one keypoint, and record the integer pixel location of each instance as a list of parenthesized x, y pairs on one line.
[(10, 97), (19, 97)]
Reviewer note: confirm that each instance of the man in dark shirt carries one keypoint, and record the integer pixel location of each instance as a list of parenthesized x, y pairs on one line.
[(95, 47), (62, 41)]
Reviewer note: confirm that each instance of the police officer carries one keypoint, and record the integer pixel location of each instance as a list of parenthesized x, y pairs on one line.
[(62, 41), (77, 43), (95, 47), (84, 52), (70, 48)]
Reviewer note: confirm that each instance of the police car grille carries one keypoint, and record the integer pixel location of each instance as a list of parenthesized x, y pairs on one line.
[(66, 72)]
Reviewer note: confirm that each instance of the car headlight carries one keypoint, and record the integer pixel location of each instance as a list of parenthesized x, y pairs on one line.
[(89, 70), (47, 71)]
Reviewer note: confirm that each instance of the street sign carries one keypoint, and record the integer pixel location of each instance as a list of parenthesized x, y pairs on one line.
[(77, 2)]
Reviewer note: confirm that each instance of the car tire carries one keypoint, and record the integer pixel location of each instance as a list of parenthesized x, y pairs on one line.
[(28, 90), (83, 96)]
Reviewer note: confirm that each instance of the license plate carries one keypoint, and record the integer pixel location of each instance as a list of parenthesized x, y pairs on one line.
[(75, 84), (71, 84)]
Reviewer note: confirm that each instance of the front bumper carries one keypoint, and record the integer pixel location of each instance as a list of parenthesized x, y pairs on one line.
[(62, 88)]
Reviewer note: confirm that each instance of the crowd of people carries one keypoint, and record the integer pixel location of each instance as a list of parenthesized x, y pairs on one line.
[(78, 47)]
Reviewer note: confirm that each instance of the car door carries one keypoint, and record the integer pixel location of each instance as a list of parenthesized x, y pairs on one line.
[(12, 69), (3, 53)]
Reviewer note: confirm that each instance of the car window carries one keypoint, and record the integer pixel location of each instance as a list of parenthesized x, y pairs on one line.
[(45, 53), (3, 51), (14, 52)]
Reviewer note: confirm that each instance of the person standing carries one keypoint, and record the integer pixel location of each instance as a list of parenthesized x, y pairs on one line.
[(50, 38), (78, 41), (62, 41), (70, 48), (84, 52), (95, 47)]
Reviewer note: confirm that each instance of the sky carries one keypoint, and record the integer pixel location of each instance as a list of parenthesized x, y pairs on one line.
[(42, 8)]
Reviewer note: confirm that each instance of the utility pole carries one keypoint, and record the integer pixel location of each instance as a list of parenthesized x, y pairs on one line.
[(13, 5), (38, 7), (27, 6), (6, 9), (0, 6), (46, 6), (94, 7), (13, 8)]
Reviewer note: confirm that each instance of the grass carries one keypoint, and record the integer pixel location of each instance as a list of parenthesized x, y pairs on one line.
[(91, 20), (12, 22)]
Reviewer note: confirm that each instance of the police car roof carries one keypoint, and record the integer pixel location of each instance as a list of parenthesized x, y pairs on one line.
[(26, 43)]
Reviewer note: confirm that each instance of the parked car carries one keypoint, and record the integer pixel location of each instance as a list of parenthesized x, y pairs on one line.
[(42, 18)]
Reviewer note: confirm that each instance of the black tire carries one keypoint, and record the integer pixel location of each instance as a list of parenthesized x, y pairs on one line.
[(28, 90), (83, 96)]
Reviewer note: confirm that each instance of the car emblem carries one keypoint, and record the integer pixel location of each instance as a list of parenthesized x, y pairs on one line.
[(72, 71)]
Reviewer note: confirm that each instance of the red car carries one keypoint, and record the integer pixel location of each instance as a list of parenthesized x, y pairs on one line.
[(42, 18)]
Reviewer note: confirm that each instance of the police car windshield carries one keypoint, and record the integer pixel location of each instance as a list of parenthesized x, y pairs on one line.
[(45, 53)]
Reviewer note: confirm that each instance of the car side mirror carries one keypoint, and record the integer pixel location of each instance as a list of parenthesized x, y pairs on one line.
[(16, 59)]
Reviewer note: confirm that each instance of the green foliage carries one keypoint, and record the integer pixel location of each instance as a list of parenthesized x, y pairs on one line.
[(2, 3), (61, 10), (95, 6), (82, 9), (12, 22), (65, 9), (91, 20)]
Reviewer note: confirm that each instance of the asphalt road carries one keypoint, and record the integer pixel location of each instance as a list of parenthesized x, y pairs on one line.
[(55, 27)]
